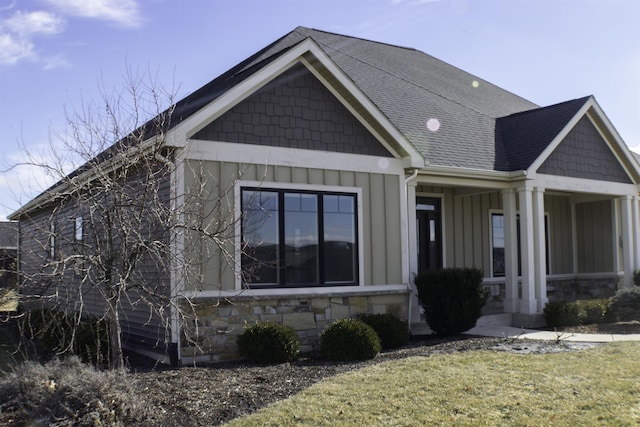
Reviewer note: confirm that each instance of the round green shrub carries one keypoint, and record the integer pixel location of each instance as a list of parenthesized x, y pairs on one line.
[(452, 299), (349, 339), (392, 331), (625, 305), (269, 343)]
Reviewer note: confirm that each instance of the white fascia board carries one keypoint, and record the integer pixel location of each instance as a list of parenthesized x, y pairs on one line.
[(190, 126), (470, 177), (560, 137), (321, 56), (581, 185), (597, 110), (64, 184), (294, 157)]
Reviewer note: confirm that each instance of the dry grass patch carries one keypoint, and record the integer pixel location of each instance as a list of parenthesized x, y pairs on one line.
[(599, 386)]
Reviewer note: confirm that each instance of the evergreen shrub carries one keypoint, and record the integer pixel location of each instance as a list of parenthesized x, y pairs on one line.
[(581, 312), (349, 339), (269, 342), (392, 331), (452, 299), (625, 305)]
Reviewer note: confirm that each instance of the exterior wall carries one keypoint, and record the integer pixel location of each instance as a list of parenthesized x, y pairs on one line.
[(64, 276), (220, 323), (381, 217), (296, 111), (582, 289), (595, 242), (584, 154), (467, 228)]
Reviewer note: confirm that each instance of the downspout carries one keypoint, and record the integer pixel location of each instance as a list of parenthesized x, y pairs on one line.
[(408, 179)]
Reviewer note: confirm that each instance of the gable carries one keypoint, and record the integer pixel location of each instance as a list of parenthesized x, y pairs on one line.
[(583, 153), (294, 110)]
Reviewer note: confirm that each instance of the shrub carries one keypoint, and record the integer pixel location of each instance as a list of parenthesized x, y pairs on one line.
[(581, 312), (63, 333), (392, 331), (349, 339), (69, 393), (452, 299), (269, 343), (625, 305), (636, 277)]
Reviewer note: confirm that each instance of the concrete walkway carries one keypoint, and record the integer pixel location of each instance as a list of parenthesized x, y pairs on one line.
[(531, 334)]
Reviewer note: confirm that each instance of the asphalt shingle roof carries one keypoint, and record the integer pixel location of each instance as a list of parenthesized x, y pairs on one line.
[(524, 136), (411, 88)]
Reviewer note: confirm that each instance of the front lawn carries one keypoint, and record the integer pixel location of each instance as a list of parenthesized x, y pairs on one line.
[(599, 386)]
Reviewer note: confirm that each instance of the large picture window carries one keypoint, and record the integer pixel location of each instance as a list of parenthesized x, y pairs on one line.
[(298, 238), (497, 244)]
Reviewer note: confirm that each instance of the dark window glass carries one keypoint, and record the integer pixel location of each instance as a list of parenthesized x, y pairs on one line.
[(339, 238), (298, 238)]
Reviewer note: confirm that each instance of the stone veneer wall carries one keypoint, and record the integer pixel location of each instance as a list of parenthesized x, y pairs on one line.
[(220, 322), (581, 289)]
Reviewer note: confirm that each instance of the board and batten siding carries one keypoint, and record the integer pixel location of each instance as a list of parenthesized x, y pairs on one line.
[(380, 206), (595, 236), (467, 231)]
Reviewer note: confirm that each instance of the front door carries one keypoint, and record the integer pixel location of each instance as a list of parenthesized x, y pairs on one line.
[(429, 233)]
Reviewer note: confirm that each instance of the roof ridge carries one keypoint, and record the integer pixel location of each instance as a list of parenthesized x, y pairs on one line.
[(350, 37), (583, 99)]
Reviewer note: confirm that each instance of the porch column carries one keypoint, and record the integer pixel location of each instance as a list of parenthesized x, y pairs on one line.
[(540, 248), (636, 230), (510, 252), (626, 231), (528, 303), (411, 228)]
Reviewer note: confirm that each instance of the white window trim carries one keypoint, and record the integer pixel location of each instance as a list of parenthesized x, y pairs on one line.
[(547, 236), (292, 186)]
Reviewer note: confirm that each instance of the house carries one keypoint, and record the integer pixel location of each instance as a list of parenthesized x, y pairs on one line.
[(8, 265), (355, 165)]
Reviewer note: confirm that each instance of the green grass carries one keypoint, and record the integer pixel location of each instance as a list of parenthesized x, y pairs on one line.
[(600, 386)]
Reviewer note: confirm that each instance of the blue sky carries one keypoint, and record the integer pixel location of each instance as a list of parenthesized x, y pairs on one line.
[(53, 53)]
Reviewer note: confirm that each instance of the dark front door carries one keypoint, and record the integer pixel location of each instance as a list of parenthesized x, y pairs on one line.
[(429, 233)]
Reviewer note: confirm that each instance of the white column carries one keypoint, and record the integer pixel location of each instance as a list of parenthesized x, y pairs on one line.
[(540, 249), (626, 232), (411, 226), (636, 230), (528, 303), (510, 252)]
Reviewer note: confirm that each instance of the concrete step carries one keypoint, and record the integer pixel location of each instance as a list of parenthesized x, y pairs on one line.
[(502, 319), (420, 328)]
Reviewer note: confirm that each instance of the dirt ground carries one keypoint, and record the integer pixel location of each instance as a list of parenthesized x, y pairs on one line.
[(212, 395)]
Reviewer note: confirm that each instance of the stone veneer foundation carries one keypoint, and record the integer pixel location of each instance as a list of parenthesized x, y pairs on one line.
[(213, 336)]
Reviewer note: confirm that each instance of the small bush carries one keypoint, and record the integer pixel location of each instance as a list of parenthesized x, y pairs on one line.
[(392, 331), (69, 393), (581, 312), (452, 299), (63, 333), (349, 339), (269, 343), (625, 305), (636, 277)]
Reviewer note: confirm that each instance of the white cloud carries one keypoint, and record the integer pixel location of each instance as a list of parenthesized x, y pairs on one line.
[(39, 22), (18, 31), (123, 12)]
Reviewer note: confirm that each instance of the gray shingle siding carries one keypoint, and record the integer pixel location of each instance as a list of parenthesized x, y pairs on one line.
[(295, 111), (584, 154)]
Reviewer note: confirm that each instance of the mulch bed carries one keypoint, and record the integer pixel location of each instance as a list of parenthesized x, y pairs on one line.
[(211, 395)]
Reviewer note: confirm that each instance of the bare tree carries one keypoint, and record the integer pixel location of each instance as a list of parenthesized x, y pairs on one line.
[(107, 240)]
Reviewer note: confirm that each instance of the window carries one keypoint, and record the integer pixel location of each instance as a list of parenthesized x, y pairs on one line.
[(298, 238), (497, 244), (52, 239), (78, 229)]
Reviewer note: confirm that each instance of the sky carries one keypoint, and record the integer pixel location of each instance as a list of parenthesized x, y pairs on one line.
[(56, 55)]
